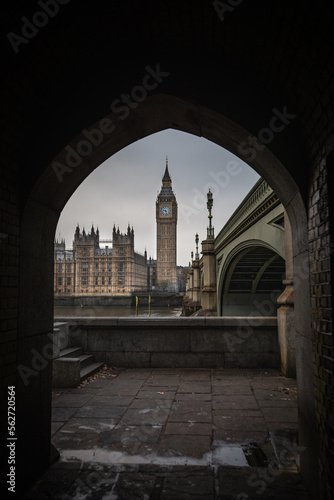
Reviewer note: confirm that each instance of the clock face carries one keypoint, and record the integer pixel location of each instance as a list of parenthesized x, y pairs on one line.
[(165, 211)]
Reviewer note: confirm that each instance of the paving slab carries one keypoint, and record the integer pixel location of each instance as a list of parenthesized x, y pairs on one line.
[(197, 411), (224, 379), (123, 389), (156, 393), (140, 449), (267, 394), (159, 387), (240, 436), (174, 434), (110, 400), (195, 417), (131, 434), (280, 403), (71, 399), (145, 416), (240, 423), (237, 402), (192, 396), (101, 411), (78, 425), (156, 380), (65, 439), (279, 426), (134, 486), (228, 390), (197, 375), (60, 414), (97, 383), (254, 483), (188, 428), (151, 403), (188, 446), (188, 488), (135, 374), (280, 414), (194, 405), (221, 412), (195, 386), (234, 372)]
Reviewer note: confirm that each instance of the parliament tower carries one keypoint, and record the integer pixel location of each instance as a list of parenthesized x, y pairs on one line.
[(166, 215)]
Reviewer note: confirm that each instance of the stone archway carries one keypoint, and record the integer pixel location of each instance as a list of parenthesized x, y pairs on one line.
[(55, 187)]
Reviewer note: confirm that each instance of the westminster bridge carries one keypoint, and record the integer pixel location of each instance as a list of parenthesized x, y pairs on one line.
[(246, 270)]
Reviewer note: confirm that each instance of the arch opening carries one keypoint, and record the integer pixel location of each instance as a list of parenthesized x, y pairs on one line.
[(41, 213)]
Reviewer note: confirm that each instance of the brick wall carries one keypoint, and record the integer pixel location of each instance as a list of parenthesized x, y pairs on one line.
[(320, 252)]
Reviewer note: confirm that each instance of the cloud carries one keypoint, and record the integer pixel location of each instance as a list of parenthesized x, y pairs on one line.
[(124, 189)]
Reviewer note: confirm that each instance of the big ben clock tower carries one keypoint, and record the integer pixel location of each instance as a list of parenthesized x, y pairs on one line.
[(166, 214)]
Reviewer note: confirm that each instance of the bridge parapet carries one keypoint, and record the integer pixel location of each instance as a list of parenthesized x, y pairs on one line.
[(260, 197)]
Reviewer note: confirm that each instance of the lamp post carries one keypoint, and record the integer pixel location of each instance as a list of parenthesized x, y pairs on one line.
[(210, 229), (208, 295), (196, 278), (196, 241)]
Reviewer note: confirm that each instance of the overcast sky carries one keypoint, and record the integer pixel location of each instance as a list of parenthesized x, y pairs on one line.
[(124, 189)]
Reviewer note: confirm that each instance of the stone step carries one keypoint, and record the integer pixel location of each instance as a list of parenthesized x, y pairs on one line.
[(71, 352), (72, 367), (90, 369), (85, 360)]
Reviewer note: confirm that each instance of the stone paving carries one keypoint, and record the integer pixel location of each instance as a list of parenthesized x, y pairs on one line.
[(175, 434)]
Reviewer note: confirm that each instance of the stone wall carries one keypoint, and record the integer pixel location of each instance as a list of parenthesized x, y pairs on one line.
[(179, 342), (158, 300)]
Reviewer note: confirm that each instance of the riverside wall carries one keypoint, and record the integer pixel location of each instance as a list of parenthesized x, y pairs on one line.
[(157, 300), (198, 342)]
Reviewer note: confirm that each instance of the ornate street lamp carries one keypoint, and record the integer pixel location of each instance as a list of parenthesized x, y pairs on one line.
[(196, 241), (210, 229)]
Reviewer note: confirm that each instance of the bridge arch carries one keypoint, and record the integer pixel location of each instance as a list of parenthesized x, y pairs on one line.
[(251, 275)]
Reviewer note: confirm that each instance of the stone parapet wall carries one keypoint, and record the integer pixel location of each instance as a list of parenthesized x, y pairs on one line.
[(201, 342)]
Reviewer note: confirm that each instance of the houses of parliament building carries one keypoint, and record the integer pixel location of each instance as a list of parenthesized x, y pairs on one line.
[(89, 268)]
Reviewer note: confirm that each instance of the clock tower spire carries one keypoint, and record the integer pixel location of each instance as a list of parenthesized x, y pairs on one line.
[(166, 216), (166, 180)]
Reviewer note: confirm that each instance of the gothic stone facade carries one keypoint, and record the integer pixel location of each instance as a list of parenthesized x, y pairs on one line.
[(89, 269)]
